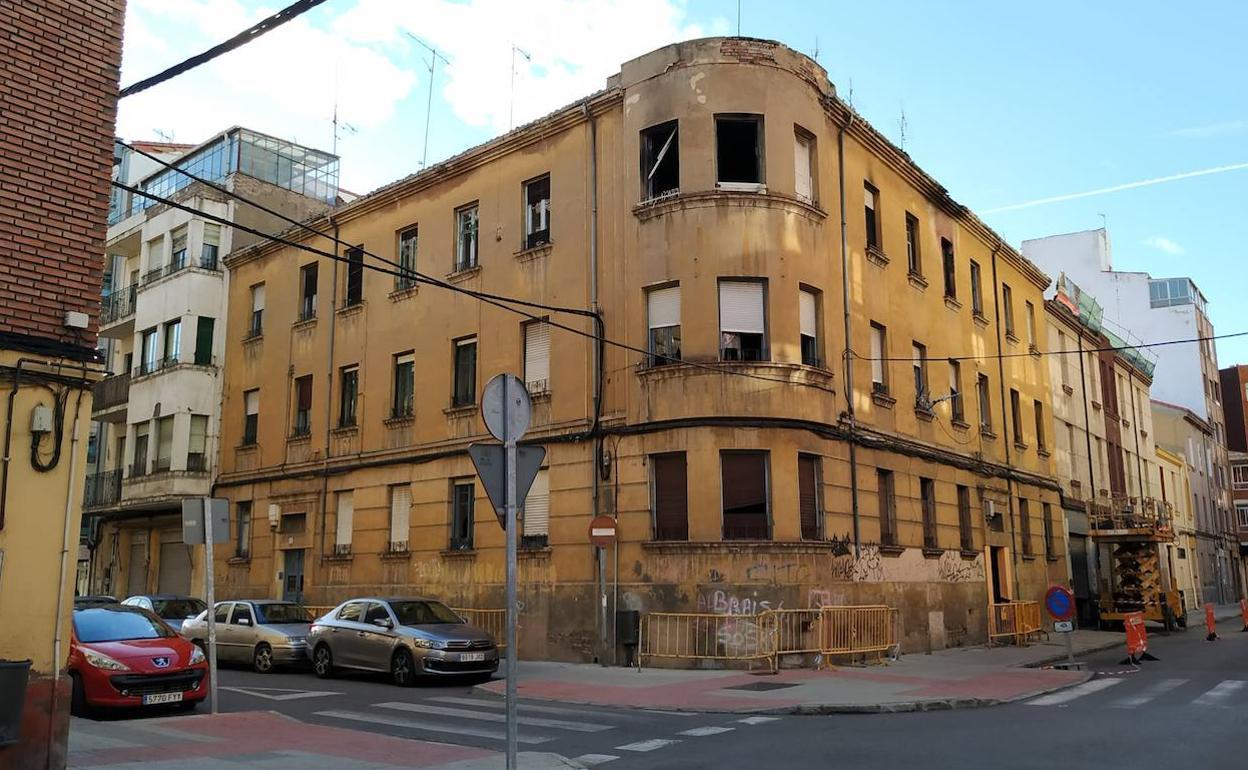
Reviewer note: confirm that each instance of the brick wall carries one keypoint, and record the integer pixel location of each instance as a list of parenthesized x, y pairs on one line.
[(59, 62)]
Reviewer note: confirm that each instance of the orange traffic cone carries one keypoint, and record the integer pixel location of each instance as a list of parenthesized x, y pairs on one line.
[(1211, 624)]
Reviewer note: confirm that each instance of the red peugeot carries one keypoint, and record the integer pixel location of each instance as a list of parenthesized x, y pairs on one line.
[(123, 656)]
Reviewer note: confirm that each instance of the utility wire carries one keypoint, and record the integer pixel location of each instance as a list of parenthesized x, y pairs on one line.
[(241, 39), (993, 357)]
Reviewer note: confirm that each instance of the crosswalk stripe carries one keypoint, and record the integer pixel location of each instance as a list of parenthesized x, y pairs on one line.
[(1149, 693), (1078, 691), (699, 732), (1221, 693), (447, 711), (535, 709), (593, 760), (650, 745), (757, 720), (416, 724)]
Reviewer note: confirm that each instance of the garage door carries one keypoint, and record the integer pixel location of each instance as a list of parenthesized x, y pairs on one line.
[(136, 569), (175, 565)]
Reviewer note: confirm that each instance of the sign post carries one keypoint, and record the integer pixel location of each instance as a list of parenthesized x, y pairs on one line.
[(199, 515), (601, 535), (1060, 603)]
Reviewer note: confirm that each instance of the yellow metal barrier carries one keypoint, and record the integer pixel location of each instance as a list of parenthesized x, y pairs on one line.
[(698, 636), (1019, 620), (493, 621)]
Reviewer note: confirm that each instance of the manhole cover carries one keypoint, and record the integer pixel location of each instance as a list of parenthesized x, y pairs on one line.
[(762, 686)]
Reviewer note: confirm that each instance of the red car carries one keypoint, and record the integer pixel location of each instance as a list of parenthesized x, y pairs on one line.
[(121, 657)]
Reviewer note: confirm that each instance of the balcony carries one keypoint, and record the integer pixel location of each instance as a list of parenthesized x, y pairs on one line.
[(117, 313), (109, 398), (207, 262), (174, 361), (102, 489)]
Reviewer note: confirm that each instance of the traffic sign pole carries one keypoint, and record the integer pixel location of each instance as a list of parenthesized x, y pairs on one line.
[(210, 595), (509, 448)]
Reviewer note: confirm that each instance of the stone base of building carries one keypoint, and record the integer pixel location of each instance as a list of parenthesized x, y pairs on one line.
[(45, 727)]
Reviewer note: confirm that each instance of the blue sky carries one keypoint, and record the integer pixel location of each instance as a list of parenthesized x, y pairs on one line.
[(1005, 103)]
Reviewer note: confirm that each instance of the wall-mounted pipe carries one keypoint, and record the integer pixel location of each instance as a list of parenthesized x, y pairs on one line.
[(849, 361)]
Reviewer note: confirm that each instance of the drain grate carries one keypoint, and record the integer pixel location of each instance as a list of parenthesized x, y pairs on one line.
[(763, 686)]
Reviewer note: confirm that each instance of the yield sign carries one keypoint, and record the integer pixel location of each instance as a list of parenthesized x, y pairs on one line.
[(491, 467)]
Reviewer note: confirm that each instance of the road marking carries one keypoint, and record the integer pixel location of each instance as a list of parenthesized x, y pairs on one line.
[(1160, 688), (650, 745), (758, 720), (558, 724), (268, 693), (416, 724), (1065, 696), (672, 713), (535, 709), (699, 732), (1220, 694), (592, 760)]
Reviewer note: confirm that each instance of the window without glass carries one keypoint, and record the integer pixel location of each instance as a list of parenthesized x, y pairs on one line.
[(914, 259), (303, 406), (177, 254), (1016, 417), (746, 509), (408, 240), (1041, 443), (211, 247), (203, 340), (808, 310), (949, 268), (242, 529), (173, 343), (927, 499), (985, 402), (1007, 308), (804, 164), (742, 321), (660, 160), (957, 405), (1049, 552), (535, 513), (739, 151), (197, 445), (307, 291), (348, 395), (918, 355), (1024, 525), (870, 198), (256, 324), (977, 290), (886, 506), (809, 508), (669, 496), (537, 357), (403, 402), (466, 225), (151, 353), (966, 535), (344, 522), (400, 516), (537, 212), (462, 493), (139, 466), (663, 316), (465, 389), (879, 366), (251, 416), (355, 277)]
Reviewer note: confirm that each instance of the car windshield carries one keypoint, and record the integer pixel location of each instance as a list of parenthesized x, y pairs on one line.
[(282, 613), (115, 624), (424, 613), (177, 609)]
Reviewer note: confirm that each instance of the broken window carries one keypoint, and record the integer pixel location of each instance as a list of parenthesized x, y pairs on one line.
[(922, 399), (957, 409), (663, 310), (742, 321), (870, 196), (660, 160), (670, 496), (743, 478), (808, 310), (307, 292), (466, 224), (809, 509), (537, 212), (739, 151)]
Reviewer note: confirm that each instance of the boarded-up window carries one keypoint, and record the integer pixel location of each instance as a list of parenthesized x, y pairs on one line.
[(345, 522), (537, 357), (400, 516), (808, 503), (1024, 525), (927, 496), (670, 496), (966, 535), (1049, 552), (536, 511), (743, 479), (887, 506)]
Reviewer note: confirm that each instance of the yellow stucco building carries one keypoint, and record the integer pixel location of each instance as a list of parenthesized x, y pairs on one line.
[(800, 400)]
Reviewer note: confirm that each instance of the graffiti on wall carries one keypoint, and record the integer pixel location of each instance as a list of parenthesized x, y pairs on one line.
[(952, 568), (719, 602)]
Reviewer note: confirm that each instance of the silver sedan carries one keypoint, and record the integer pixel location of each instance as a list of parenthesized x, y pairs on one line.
[(261, 632), (405, 637)]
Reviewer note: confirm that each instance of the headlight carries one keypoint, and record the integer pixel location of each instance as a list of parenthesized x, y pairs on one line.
[(197, 656), (103, 662), (429, 644)]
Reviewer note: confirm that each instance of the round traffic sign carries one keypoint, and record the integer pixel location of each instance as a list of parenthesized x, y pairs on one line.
[(602, 531), (1060, 602), (505, 407)]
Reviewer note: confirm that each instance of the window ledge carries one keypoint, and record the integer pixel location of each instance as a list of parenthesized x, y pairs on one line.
[(251, 447), (1011, 338), (926, 415), (455, 276), (466, 410), (534, 552), (1020, 446), (741, 546), (339, 558), (399, 422), (952, 303), (459, 553), (980, 318), (1096, 405), (401, 294), (917, 280), (882, 399), (302, 438), (1029, 557), (539, 396), (1052, 559), (890, 549), (395, 555), (1033, 350), (987, 433), (969, 554), (680, 201), (253, 339), (352, 309), (877, 257), (1044, 453), (534, 252), (1068, 390), (345, 430), (236, 560), (961, 425)]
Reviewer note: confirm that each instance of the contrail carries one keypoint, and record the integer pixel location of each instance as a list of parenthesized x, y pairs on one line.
[(1117, 188)]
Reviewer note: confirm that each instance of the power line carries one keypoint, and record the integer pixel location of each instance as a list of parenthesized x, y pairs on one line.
[(242, 38), (993, 357)]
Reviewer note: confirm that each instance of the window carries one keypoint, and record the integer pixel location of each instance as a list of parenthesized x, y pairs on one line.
[(922, 398), (1063, 360), (408, 240), (242, 529), (465, 390), (197, 444), (1041, 442), (1016, 418), (914, 258), (211, 247), (139, 466), (879, 352), (150, 352), (466, 226), (355, 277), (535, 512), (344, 523), (222, 612), (949, 268), (164, 444), (251, 416), (307, 291), (173, 343), (1024, 525), (804, 165), (462, 493), (887, 506), (400, 516), (977, 290), (870, 196), (177, 256), (1239, 475), (537, 357), (660, 160), (927, 498), (303, 406), (255, 326), (403, 402), (985, 403), (1241, 511), (353, 612), (966, 535), (1030, 309), (1007, 309), (742, 321), (348, 395), (669, 499), (1168, 292), (810, 513), (743, 479), (808, 310), (203, 340), (537, 212), (1047, 511), (957, 406), (739, 151), (663, 316)]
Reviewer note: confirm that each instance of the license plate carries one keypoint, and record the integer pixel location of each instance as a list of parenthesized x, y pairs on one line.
[(162, 697), (472, 657)]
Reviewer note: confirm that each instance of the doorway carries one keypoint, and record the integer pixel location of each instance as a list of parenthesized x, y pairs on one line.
[(292, 576), (999, 564)]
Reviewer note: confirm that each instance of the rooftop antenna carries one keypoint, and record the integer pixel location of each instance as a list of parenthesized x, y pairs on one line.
[(350, 129), (511, 110), (434, 55), (165, 136), (815, 53), (738, 18), (903, 126), (1104, 220), (850, 97)]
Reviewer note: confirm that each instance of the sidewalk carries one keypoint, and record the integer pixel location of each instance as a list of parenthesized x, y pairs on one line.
[(265, 739)]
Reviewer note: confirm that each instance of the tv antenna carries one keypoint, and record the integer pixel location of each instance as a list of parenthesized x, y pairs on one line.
[(434, 56), (903, 125), (511, 110), (350, 129), (165, 136)]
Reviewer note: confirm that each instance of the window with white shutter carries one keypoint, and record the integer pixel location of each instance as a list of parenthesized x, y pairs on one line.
[(742, 321), (663, 318), (400, 516), (537, 511), (803, 165), (164, 443), (197, 446), (879, 368), (537, 357), (808, 312), (256, 325), (344, 523)]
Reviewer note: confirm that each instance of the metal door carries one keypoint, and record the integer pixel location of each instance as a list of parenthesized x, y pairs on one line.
[(292, 576), (136, 568), (173, 576)]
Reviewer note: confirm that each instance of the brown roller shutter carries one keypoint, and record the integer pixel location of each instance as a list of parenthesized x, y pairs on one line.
[(808, 495), (671, 497)]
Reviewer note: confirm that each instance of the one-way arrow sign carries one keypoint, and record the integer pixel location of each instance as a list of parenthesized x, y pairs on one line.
[(492, 469)]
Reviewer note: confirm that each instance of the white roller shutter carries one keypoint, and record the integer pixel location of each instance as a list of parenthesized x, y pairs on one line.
[(257, 297), (400, 512), (173, 576), (806, 302), (664, 307), (741, 307), (537, 356), (346, 518), (801, 166), (537, 505)]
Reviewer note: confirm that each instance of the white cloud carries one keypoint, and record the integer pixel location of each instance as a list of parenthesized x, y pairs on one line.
[(1161, 243), (1212, 129)]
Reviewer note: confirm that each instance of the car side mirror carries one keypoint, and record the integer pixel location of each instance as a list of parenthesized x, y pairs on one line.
[(383, 623)]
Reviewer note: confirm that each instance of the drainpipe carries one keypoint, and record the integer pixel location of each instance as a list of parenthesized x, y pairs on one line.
[(849, 363), (8, 438), (1135, 424), (1006, 415), (329, 391), (1087, 420)]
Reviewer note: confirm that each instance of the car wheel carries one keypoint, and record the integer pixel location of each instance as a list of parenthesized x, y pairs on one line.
[(262, 659), (78, 705), (323, 662), (403, 668)]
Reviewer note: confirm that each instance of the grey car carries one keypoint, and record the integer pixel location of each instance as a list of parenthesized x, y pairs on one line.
[(172, 608), (262, 633), (406, 637)]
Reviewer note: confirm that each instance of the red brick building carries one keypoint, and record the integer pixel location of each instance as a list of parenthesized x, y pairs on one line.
[(1234, 381), (59, 63)]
